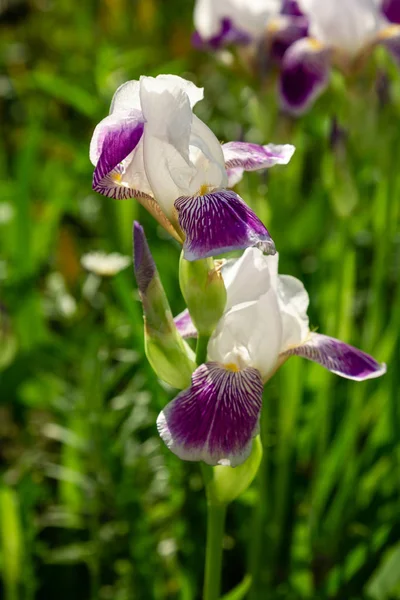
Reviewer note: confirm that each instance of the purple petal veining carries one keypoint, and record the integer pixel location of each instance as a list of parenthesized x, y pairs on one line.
[(216, 418), (118, 142), (245, 156), (338, 357), (219, 222)]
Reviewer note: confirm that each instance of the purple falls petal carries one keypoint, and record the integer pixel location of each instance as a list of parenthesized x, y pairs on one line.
[(216, 418), (290, 30), (220, 222), (184, 325), (291, 8), (391, 10), (144, 266), (390, 38), (338, 357), (227, 35), (305, 74), (118, 142), (244, 156)]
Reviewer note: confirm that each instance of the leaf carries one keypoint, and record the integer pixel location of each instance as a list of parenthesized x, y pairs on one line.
[(240, 590), (386, 577)]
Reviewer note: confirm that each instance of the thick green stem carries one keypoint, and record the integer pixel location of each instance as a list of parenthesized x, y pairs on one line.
[(201, 349), (215, 531)]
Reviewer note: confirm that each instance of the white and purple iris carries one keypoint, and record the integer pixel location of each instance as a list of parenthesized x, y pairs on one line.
[(340, 33), (220, 23), (153, 147), (264, 323)]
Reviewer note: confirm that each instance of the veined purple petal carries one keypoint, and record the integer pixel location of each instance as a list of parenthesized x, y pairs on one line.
[(144, 266), (228, 34), (390, 38), (216, 418), (184, 325), (338, 357), (219, 222), (118, 142), (391, 10), (305, 74), (252, 157)]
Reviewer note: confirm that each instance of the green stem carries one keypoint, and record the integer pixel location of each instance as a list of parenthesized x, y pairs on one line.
[(215, 531), (201, 349)]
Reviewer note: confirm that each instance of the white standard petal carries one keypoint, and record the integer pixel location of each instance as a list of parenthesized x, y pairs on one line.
[(206, 154), (249, 335), (246, 278), (166, 136), (293, 302), (347, 25)]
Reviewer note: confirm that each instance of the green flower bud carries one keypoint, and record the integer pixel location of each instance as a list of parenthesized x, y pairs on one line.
[(225, 484), (169, 355), (204, 291)]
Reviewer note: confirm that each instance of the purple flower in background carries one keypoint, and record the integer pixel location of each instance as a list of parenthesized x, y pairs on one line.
[(391, 10), (264, 323), (153, 147), (221, 23), (340, 31)]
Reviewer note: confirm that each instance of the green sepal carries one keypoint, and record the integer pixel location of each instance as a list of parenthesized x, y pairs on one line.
[(204, 291)]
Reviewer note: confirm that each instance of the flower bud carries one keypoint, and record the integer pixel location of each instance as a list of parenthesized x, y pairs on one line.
[(204, 291), (225, 484), (169, 355)]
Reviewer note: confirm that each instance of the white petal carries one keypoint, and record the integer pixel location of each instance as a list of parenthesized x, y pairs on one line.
[(249, 334), (250, 16), (246, 278), (126, 97), (207, 156), (293, 304), (166, 137), (348, 25)]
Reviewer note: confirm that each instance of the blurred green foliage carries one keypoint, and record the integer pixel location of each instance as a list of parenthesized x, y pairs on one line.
[(92, 505)]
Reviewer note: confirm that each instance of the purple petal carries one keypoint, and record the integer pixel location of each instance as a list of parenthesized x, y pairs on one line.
[(305, 74), (391, 10), (216, 418), (338, 357), (184, 325), (390, 38), (290, 30), (220, 222), (144, 266), (228, 34), (251, 157), (117, 143), (291, 7)]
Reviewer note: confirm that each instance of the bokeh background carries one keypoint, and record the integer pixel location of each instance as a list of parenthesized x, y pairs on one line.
[(92, 505)]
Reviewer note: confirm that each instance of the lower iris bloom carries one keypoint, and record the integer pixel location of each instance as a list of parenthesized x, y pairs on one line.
[(265, 322), (153, 147), (341, 33)]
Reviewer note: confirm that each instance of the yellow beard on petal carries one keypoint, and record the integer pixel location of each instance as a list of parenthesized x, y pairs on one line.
[(232, 367), (116, 177)]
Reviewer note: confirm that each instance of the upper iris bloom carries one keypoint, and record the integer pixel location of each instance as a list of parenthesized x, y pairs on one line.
[(241, 22), (154, 148), (341, 32), (264, 323)]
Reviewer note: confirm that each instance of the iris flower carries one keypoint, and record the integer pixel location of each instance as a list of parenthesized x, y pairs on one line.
[(220, 23), (153, 147), (341, 33), (265, 322)]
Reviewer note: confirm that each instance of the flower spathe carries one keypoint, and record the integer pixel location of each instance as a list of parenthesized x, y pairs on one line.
[(153, 147), (264, 323), (340, 32)]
